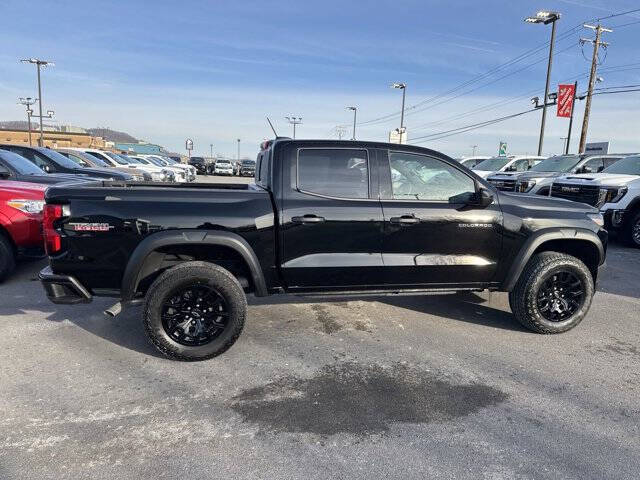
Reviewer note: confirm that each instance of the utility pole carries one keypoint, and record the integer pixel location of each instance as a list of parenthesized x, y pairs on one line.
[(473, 147), (573, 109), (592, 79), (238, 149), (294, 121), (27, 102), (211, 146), (545, 18), (355, 112), (39, 63)]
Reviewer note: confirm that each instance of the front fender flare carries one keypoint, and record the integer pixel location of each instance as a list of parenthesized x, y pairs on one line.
[(542, 236), (131, 277)]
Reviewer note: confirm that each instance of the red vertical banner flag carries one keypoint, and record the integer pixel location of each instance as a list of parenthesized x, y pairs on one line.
[(566, 93)]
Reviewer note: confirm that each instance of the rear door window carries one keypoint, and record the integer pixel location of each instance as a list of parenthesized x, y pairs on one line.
[(340, 173)]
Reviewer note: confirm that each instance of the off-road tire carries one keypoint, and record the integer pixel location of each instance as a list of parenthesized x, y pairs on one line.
[(523, 298), (7, 257), (628, 231), (182, 275)]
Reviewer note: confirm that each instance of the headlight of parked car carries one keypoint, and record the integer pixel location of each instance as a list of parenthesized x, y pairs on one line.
[(597, 218), (27, 206), (525, 186), (611, 195)]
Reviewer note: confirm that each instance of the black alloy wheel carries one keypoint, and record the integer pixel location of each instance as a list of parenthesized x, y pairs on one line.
[(635, 231), (194, 315), (194, 311), (560, 296)]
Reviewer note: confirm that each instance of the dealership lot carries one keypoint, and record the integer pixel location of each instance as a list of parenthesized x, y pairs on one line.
[(401, 387)]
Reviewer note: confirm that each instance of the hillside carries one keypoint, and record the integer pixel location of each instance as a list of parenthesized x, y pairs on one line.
[(112, 135)]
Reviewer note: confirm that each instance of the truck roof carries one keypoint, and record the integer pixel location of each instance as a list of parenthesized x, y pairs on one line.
[(350, 144)]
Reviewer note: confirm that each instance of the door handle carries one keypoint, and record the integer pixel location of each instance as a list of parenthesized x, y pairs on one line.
[(309, 218), (405, 220)]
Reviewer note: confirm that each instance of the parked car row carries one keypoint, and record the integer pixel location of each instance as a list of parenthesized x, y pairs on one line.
[(222, 166), (609, 182)]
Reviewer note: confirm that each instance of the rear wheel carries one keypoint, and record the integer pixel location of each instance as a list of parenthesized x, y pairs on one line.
[(194, 311), (553, 293), (7, 257)]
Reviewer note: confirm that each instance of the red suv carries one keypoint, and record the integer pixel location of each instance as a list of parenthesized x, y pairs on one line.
[(21, 206)]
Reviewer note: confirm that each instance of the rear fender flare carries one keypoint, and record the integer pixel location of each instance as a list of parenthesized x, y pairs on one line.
[(541, 237), (145, 249)]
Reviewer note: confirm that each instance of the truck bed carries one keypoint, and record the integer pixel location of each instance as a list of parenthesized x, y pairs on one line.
[(108, 220)]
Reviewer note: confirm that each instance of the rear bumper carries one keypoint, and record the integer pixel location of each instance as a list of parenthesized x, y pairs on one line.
[(63, 289)]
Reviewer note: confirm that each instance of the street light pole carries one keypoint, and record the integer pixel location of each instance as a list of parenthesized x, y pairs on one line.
[(355, 112), (39, 63), (474, 150), (211, 146), (294, 121), (238, 149), (545, 18), (403, 87), (28, 101)]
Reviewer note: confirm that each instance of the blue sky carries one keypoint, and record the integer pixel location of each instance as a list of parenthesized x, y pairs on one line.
[(165, 71)]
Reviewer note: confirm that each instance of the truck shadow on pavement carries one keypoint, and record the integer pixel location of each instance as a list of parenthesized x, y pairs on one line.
[(463, 307)]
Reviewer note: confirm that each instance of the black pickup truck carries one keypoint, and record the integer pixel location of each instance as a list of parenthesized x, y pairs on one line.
[(323, 217)]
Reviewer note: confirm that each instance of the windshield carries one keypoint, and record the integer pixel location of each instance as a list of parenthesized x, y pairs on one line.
[(155, 161), (561, 163), (492, 164), (116, 158), (79, 157), (223, 162), (20, 164), (249, 163), (59, 159), (626, 166)]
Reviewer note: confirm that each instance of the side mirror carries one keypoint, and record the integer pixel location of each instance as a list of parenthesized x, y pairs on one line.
[(587, 170), (46, 168), (482, 198), (4, 173)]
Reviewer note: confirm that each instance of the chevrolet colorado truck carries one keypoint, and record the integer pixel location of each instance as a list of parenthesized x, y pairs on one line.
[(615, 192), (323, 217)]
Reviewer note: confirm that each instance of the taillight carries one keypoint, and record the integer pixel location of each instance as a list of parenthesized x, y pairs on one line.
[(52, 239)]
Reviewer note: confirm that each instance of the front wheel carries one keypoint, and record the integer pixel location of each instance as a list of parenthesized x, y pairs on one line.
[(553, 293), (7, 257), (633, 231), (194, 311)]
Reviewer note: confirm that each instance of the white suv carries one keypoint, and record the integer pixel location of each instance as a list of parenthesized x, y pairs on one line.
[(223, 167), (615, 191), (512, 164)]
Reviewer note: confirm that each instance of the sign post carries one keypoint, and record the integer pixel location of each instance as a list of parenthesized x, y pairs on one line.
[(502, 149), (188, 145), (566, 103)]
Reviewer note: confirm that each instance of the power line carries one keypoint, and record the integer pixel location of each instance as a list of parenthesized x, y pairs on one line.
[(473, 126), (613, 15), (513, 61), (475, 79), (468, 128)]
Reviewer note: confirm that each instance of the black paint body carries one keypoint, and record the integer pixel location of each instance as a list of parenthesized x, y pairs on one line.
[(356, 247)]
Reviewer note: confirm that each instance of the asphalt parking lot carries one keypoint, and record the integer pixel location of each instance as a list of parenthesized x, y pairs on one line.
[(421, 387)]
